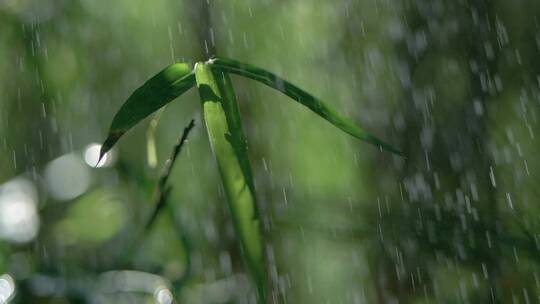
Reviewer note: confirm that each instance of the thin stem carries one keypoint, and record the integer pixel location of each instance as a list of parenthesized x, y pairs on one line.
[(161, 195), (161, 191)]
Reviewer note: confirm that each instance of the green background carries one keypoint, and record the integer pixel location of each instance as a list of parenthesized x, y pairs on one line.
[(453, 84)]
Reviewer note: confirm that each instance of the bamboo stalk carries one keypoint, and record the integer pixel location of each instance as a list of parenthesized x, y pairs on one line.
[(222, 119)]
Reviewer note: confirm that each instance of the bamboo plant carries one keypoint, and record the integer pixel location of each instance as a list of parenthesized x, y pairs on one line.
[(227, 139)]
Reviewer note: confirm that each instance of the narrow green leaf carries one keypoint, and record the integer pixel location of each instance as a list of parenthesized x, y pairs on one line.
[(227, 139), (151, 153), (303, 97), (159, 90)]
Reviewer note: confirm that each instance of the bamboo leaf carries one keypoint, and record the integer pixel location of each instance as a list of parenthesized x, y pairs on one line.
[(227, 139), (303, 97), (151, 153), (159, 90)]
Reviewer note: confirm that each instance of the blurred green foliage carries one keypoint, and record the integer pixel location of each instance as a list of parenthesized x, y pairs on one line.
[(453, 84)]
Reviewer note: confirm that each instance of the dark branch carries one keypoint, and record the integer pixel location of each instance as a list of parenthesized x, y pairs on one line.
[(161, 191)]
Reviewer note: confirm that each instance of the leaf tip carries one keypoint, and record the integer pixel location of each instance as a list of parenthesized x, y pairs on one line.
[(108, 144), (392, 149)]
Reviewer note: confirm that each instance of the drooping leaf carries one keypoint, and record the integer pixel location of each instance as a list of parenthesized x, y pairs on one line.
[(303, 97), (227, 139), (151, 153), (159, 90)]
